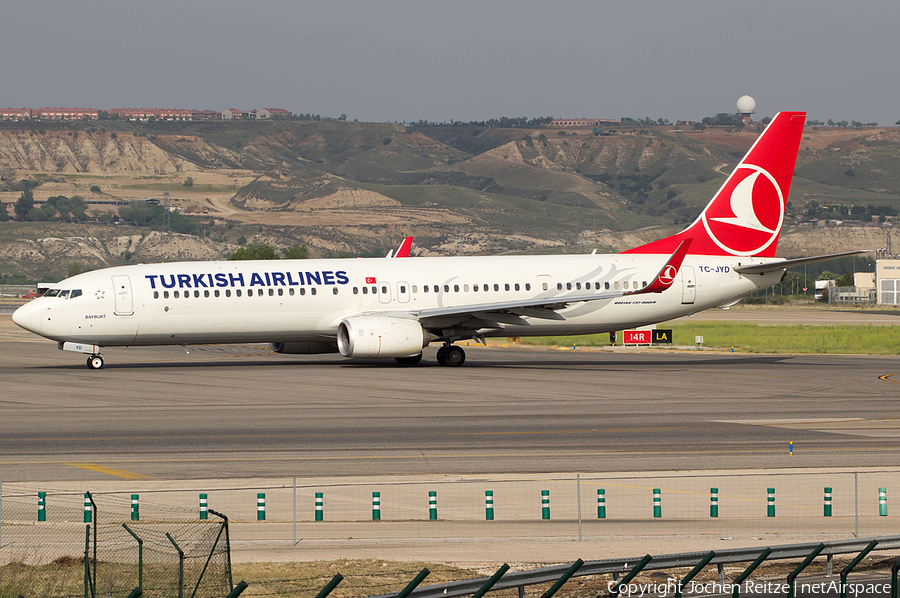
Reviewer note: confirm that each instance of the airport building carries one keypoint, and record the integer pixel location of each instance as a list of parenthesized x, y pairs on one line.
[(887, 279)]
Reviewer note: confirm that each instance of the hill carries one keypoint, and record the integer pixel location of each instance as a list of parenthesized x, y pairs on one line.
[(358, 188)]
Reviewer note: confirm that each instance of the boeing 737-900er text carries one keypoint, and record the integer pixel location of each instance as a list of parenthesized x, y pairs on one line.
[(395, 307)]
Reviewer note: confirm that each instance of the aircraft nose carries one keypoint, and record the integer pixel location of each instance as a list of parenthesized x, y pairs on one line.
[(29, 316)]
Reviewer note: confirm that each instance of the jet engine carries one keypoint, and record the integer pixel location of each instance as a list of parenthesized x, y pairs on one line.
[(381, 336), (304, 347)]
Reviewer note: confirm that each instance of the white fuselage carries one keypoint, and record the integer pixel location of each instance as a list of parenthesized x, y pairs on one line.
[(305, 300)]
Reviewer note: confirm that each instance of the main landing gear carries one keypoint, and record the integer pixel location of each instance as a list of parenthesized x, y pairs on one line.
[(95, 362), (451, 356)]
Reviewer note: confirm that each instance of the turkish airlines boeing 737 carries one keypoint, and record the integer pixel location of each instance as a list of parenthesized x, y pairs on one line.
[(396, 307)]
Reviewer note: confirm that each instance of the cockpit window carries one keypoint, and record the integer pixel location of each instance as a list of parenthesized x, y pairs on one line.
[(75, 293), (64, 294), (51, 293)]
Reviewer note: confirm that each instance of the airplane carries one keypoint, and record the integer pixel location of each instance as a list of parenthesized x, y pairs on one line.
[(390, 308)]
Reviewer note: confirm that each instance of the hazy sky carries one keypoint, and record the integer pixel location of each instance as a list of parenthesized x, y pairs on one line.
[(396, 60)]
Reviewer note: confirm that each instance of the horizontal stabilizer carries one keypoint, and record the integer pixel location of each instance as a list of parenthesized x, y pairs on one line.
[(802, 261)]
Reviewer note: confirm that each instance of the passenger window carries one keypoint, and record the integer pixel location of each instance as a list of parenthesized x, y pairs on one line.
[(75, 293), (365, 290), (280, 292), (517, 286), (356, 290), (216, 292), (312, 291), (175, 294), (496, 287), (334, 290), (374, 290), (271, 292), (206, 293), (415, 289), (597, 286), (558, 286), (643, 283), (616, 285), (528, 286), (303, 291), (607, 286), (424, 288), (237, 293), (291, 292), (228, 292), (384, 290), (165, 294), (156, 294), (446, 288), (259, 292), (466, 288), (568, 286), (578, 286), (196, 294), (436, 289), (506, 286), (456, 288), (402, 288), (475, 287)]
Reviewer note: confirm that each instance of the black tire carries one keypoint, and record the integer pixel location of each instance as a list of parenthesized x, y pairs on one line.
[(441, 355), (454, 356), (95, 362), (413, 360)]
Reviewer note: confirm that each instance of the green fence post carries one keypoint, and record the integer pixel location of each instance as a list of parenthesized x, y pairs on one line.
[(601, 503), (770, 509), (204, 507), (432, 505), (657, 503), (713, 502), (882, 502), (320, 507), (376, 506), (488, 505), (261, 506), (87, 507), (42, 506), (135, 513), (827, 508), (545, 504)]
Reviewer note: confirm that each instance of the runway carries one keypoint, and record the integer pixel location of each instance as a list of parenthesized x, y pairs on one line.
[(237, 411)]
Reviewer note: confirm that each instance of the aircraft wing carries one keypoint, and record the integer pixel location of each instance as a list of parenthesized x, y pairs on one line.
[(511, 312), (785, 264)]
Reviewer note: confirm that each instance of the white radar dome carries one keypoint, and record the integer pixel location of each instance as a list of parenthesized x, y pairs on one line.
[(746, 105)]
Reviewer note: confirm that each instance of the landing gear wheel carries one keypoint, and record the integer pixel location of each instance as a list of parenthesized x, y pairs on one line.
[(451, 356), (95, 362), (413, 360)]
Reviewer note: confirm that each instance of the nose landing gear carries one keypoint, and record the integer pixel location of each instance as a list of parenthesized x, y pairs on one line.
[(451, 356)]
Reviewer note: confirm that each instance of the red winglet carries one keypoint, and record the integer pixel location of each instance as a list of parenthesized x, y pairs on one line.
[(667, 274), (405, 246)]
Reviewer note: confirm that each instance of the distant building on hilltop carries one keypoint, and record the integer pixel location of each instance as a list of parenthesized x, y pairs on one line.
[(15, 113), (581, 122), (232, 114), (68, 114), (273, 113)]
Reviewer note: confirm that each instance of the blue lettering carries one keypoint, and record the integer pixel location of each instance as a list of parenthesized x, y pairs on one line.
[(152, 279), (328, 277), (210, 280), (162, 279), (311, 276), (268, 281), (256, 279), (184, 280), (277, 278), (236, 278), (291, 280), (342, 277), (198, 281), (221, 281)]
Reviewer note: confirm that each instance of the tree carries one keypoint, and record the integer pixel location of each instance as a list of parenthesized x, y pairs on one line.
[(242, 240), (95, 189), (844, 280), (4, 215), (188, 182), (263, 251), (24, 204), (296, 252)]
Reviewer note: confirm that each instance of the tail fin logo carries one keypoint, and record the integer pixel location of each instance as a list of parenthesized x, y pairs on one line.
[(746, 215)]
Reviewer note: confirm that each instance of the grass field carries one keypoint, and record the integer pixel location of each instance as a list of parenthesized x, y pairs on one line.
[(753, 338)]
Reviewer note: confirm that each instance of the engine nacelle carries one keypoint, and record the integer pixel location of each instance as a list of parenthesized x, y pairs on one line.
[(304, 347), (381, 336)]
